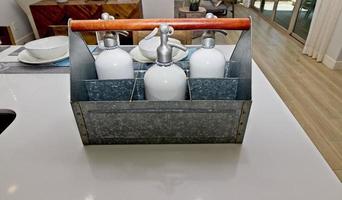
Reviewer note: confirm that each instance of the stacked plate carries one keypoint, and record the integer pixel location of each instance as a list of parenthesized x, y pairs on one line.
[(46, 50), (146, 51)]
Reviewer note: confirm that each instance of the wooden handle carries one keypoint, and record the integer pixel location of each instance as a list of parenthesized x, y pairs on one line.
[(149, 24)]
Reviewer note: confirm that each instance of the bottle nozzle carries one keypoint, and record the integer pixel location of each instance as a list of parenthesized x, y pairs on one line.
[(208, 37), (178, 46), (164, 51), (111, 40)]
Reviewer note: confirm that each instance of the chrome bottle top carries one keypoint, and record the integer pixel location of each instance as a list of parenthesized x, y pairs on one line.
[(164, 51), (110, 40), (208, 37)]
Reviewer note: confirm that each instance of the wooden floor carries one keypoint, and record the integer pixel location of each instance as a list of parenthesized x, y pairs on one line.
[(311, 91)]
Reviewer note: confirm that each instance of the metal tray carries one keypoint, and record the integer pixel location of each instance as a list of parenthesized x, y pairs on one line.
[(115, 112)]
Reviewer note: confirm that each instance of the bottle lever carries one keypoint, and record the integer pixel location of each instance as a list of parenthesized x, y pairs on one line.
[(124, 33), (222, 31)]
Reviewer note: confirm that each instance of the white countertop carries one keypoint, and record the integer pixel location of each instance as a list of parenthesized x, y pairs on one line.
[(42, 156)]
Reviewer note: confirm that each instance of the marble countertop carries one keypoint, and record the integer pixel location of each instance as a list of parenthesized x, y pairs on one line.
[(42, 156)]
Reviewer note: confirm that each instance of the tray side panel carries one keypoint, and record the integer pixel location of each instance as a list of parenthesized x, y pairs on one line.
[(162, 122), (80, 122), (245, 109)]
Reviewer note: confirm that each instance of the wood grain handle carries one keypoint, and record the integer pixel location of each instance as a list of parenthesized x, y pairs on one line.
[(149, 24)]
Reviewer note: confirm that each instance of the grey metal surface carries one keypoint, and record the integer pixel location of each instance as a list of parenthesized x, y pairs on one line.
[(83, 67), (246, 107), (110, 90), (133, 89), (213, 89), (242, 54), (76, 108), (151, 122)]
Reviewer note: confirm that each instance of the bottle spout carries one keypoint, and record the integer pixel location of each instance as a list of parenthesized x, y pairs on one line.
[(164, 51), (178, 46), (109, 39), (208, 37)]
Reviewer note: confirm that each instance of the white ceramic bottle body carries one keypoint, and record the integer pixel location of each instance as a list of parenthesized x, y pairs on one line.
[(114, 64), (165, 83), (207, 63)]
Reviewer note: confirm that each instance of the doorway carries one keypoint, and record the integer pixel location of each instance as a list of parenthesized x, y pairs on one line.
[(294, 16)]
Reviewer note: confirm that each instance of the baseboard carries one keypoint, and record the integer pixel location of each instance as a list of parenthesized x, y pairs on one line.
[(25, 38), (332, 63)]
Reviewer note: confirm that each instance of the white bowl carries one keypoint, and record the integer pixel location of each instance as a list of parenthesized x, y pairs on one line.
[(148, 48), (48, 48)]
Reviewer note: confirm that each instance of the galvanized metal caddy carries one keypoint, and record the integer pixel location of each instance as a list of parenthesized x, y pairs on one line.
[(115, 112)]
